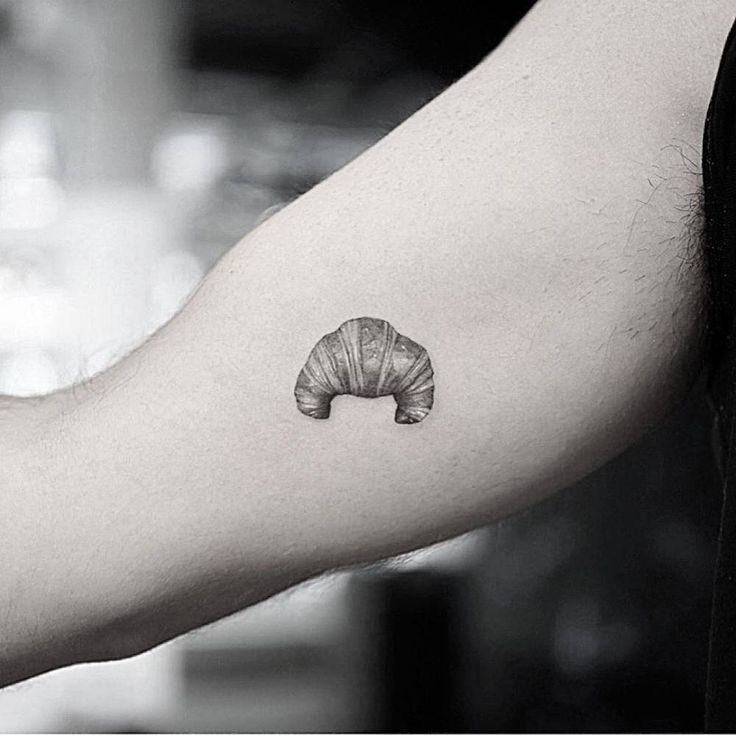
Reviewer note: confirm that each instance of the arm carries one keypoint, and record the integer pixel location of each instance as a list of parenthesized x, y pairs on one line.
[(526, 227)]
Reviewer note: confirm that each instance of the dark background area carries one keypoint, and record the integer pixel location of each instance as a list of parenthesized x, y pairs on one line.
[(351, 40)]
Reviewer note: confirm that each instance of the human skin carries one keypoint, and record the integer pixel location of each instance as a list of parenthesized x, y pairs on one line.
[(535, 228)]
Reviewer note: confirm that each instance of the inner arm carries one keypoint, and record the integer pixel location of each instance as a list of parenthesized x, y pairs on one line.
[(534, 228)]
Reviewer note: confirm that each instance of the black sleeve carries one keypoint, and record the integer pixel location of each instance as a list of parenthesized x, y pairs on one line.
[(719, 201)]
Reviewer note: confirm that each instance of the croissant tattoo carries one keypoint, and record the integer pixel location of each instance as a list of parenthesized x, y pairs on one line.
[(367, 357)]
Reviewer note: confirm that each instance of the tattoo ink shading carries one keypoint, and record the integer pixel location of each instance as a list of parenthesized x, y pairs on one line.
[(367, 357)]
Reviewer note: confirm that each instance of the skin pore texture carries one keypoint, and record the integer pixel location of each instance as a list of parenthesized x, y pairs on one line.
[(535, 228)]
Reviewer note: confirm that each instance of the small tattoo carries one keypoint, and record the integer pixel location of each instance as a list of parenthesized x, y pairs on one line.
[(367, 357)]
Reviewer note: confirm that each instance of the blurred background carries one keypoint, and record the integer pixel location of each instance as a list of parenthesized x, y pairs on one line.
[(139, 140)]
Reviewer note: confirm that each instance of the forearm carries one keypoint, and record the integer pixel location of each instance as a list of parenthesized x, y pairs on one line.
[(559, 297)]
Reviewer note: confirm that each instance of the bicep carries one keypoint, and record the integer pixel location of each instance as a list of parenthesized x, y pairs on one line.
[(560, 323)]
